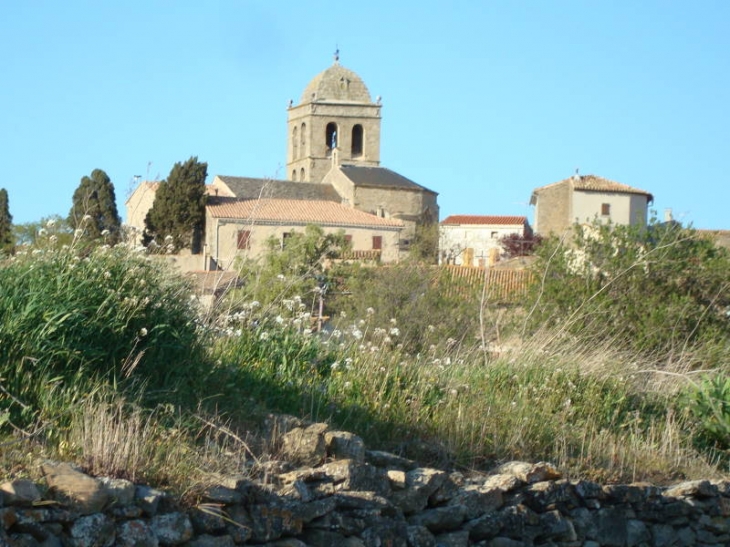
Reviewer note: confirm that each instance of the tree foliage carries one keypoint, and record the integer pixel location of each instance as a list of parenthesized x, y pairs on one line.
[(94, 208), (6, 224), (661, 288), (293, 267), (520, 245), (178, 211)]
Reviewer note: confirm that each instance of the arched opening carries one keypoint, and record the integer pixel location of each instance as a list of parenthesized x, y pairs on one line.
[(302, 175), (303, 138), (294, 175), (357, 141), (294, 144), (331, 137)]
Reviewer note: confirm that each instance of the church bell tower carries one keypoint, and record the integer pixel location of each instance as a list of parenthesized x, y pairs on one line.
[(335, 116)]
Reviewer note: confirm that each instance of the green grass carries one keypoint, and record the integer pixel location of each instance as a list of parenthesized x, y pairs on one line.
[(105, 360)]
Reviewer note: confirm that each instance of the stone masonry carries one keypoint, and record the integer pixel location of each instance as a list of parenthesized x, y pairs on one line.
[(332, 491)]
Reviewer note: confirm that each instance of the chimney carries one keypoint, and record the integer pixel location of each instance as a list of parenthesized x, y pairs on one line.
[(668, 215)]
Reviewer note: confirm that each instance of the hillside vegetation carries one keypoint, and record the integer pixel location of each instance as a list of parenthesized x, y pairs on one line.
[(614, 367)]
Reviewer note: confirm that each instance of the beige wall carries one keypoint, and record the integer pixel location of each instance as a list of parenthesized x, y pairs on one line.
[(406, 205), (222, 238), (553, 210), (137, 207), (624, 208), (558, 207), (482, 241)]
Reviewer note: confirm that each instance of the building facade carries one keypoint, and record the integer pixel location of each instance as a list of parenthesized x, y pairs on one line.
[(475, 240), (583, 199)]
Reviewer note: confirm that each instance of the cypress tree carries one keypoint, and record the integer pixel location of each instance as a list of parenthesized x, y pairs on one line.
[(179, 207), (6, 224), (94, 208)]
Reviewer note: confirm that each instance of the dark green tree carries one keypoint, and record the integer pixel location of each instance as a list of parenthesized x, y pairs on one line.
[(6, 224), (94, 208), (178, 211)]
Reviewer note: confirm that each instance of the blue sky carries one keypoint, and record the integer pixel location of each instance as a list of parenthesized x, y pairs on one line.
[(483, 100)]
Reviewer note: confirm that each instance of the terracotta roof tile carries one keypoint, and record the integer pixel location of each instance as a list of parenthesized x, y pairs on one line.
[(297, 211), (484, 219), (593, 183)]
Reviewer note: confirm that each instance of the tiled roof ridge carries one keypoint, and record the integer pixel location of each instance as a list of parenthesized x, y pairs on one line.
[(298, 211), (484, 219)]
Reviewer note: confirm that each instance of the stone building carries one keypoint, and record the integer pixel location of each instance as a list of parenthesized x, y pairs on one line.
[(475, 240), (584, 198)]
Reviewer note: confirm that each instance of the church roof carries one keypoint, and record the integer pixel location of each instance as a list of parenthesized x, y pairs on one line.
[(484, 220), (337, 83), (290, 211), (380, 177), (254, 188), (593, 183)]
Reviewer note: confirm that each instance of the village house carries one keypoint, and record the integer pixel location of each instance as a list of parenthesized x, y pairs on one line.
[(475, 240), (582, 199)]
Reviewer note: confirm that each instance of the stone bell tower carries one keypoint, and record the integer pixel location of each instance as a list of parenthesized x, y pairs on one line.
[(335, 112)]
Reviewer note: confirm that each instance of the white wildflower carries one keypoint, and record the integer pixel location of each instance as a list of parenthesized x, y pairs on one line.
[(279, 319), (42, 232), (143, 332), (394, 331), (357, 334), (53, 238), (307, 332), (393, 321), (51, 223), (370, 311), (335, 365), (86, 218), (264, 335), (105, 233)]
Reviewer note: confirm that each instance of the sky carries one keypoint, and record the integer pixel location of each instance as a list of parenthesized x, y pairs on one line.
[(483, 100)]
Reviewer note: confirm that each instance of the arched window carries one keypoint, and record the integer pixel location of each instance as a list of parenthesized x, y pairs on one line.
[(302, 177), (294, 144), (357, 140), (331, 136), (294, 175), (303, 138)]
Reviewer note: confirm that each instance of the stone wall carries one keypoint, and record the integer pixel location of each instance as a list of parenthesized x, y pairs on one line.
[(329, 490)]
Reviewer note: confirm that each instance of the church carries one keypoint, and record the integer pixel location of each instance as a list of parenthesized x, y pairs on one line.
[(335, 181)]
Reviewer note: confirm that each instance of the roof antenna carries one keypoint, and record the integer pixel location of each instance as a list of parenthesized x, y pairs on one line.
[(576, 176)]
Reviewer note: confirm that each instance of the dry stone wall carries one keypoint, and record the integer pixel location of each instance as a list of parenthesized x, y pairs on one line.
[(329, 490)]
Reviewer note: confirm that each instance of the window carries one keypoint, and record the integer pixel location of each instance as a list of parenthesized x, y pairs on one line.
[(294, 175), (377, 242), (284, 237), (357, 140), (348, 240), (331, 136), (243, 240), (494, 235), (302, 173), (294, 144), (606, 209), (302, 138)]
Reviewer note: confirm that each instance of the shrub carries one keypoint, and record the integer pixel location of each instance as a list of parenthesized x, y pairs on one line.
[(109, 316), (658, 289)]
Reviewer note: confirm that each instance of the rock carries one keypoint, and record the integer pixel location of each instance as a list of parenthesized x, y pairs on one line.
[(270, 522), (20, 492), (440, 519), (135, 533), (389, 461), (343, 445), (352, 476), (85, 494), (530, 472), (211, 541), (420, 484), (504, 482), (696, 489), (148, 499), (453, 539), (92, 531), (222, 494), (420, 536), (120, 492), (390, 533), (305, 446), (207, 519), (397, 479), (477, 500), (172, 528)]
